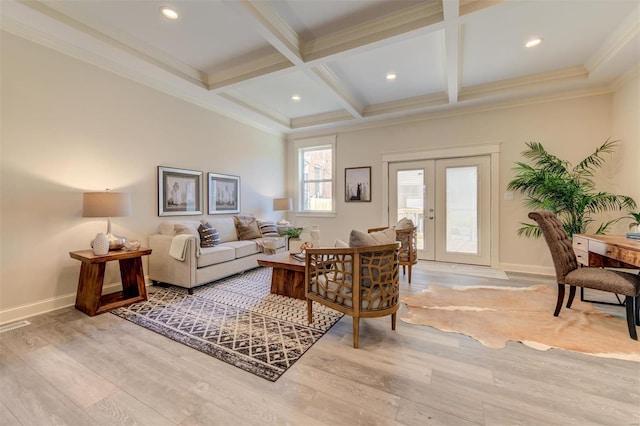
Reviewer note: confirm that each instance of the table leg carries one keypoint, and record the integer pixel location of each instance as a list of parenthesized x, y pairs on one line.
[(132, 277), (90, 287)]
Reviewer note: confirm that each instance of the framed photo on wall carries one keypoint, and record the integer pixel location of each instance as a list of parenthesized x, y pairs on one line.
[(357, 184), (179, 192), (224, 193)]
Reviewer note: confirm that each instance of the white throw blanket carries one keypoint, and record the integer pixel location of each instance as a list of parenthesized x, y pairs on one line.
[(178, 249)]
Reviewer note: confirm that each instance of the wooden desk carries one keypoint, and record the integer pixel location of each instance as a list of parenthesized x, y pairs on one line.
[(616, 251), (89, 298)]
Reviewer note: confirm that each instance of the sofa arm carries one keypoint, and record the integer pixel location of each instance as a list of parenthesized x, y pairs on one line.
[(166, 269)]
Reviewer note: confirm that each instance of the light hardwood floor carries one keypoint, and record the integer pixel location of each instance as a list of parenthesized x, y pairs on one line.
[(68, 368)]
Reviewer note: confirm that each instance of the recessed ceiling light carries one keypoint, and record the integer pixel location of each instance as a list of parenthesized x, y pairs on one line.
[(169, 13), (295, 98), (391, 76), (533, 42)]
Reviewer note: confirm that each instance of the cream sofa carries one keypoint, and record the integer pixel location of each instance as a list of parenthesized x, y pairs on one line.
[(203, 265)]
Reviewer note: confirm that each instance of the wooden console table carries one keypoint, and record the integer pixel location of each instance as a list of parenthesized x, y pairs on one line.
[(89, 298), (615, 251)]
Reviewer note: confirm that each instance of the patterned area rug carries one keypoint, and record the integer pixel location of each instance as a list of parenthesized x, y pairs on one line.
[(236, 320)]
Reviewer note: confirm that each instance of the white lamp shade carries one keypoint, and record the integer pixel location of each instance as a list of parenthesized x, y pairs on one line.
[(282, 204), (106, 204)]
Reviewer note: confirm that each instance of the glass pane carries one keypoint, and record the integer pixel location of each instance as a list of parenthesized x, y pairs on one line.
[(317, 196), (462, 209), (411, 200), (317, 184)]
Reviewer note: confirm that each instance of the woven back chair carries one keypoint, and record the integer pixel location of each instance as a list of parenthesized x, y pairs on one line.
[(358, 281), (408, 254), (568, 273)]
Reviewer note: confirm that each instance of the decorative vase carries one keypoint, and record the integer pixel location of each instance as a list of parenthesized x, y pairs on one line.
[(100, 244), (315, 235)]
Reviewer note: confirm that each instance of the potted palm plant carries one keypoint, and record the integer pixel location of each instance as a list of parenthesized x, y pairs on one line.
[(634, 227), (550, 183)]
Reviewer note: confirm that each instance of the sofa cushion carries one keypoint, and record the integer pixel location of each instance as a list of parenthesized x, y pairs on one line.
[(247, 227), (268, 229), (242, 248), (213, 255), (208, 235), (226, 228), (168, 227)]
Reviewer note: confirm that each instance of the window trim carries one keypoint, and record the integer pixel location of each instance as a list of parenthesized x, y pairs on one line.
[(306, 145)]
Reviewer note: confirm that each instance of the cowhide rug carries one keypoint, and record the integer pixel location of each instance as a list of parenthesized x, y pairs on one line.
[(494, 315)]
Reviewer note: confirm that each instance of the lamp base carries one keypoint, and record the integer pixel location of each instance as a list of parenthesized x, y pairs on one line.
[(116, 242), (283, 222)]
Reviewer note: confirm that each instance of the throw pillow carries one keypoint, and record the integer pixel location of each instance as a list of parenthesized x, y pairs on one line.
[(404, 223), (268, 229), (179, 229), (387, 236), (247, 227), (361, 239), (208, 235)]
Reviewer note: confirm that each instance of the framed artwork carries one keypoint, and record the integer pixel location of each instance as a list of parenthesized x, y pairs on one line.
[(357, 184), (224, 193), (179, 192)]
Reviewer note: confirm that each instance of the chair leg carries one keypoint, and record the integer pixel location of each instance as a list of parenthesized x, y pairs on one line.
[(404, 270), (409, 274), (628, 301), (393, 321), (560, 299), (572, 294), (356, 331), (637, 309), (309, 311)]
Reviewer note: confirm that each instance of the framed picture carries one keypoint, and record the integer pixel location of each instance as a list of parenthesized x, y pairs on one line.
[(179, 192), (357, 184), (224, 193)]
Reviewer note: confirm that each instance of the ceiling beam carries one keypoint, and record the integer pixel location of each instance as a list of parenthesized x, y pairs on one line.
[(386, 28), (271, 115), (349, 101), (272, 27), (452, 50), (627, 32)]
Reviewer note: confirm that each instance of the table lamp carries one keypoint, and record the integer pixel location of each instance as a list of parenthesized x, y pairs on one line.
[(282, 205), (107, 204)]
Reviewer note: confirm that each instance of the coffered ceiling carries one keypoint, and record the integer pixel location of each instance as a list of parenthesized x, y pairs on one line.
[(248, 58)]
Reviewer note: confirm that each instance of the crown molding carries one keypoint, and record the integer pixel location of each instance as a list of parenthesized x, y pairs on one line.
[(117, 39), (231, 76), (625, 78), (453, 112), (319, 119), (621, 37), (412, 18), (277, 118), (470, 6), (531, 81), (404, 105)]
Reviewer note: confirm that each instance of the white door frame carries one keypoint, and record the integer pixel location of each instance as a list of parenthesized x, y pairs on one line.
[(492, 149)]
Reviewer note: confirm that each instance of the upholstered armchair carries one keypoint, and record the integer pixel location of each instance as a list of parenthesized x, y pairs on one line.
[(408, 254), (568, 272), (358, 281)]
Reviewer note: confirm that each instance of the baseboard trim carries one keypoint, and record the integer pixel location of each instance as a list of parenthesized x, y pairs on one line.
[(527, 269), (48, 305)]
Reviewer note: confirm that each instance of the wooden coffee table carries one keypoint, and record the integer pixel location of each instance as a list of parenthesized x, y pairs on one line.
[(287, 278)]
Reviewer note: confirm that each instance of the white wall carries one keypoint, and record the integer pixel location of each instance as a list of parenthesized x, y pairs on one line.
[(570, 129), (69, 127)]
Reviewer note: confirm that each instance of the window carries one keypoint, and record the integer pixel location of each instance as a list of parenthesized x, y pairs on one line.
[(316, 178)]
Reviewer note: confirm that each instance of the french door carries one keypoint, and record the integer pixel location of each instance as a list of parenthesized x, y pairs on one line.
[(449, 201)]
